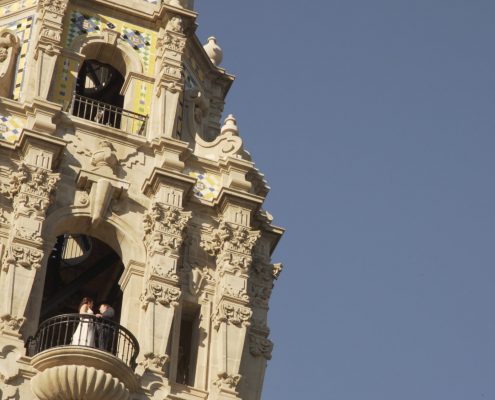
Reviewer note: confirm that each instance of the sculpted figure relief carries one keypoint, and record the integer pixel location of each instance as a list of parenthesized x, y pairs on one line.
[(9, 48)]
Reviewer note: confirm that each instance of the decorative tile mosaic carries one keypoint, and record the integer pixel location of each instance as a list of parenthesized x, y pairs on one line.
[(16, 6), (23, 29), (82, 24), (140, 41), (10, 127), (207, 185)]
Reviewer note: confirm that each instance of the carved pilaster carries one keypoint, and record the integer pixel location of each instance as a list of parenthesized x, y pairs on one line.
[(169, 77), (230, 322), (30, 190), (164, 226), (48, 46)]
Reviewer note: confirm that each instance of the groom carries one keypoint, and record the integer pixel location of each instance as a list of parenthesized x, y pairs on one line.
[(106, 328)]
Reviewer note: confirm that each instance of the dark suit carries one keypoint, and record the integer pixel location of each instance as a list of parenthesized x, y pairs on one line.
[(107, 338)]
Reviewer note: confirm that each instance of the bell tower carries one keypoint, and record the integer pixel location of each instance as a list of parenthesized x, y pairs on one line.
[(120, 183)]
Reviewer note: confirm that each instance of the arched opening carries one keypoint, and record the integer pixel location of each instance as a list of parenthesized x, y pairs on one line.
[(81, 266), (98, 95)]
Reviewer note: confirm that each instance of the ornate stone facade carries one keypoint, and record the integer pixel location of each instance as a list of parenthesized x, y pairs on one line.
[(149, 170)]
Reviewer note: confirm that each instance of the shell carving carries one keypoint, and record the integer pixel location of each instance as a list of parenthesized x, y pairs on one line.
[(77, 382)]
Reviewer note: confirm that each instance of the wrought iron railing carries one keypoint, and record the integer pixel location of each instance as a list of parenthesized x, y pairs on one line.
[(108, 115), (87, 331)]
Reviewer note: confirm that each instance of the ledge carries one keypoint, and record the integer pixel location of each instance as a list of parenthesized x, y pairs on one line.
[(87, 357)]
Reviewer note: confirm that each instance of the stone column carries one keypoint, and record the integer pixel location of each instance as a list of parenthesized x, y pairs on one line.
[(168, 78)]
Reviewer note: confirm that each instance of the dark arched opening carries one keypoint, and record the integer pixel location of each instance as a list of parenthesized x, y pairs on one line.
[(98, 96), (81, 266)]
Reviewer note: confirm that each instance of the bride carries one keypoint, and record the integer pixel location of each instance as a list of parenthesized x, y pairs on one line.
[(84, 334)]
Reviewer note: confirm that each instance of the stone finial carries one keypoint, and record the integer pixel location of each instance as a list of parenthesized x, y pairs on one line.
[(230, 126), (213, 51)]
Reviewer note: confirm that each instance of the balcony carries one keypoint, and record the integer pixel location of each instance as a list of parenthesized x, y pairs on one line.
[(109, 115), (83, 357)]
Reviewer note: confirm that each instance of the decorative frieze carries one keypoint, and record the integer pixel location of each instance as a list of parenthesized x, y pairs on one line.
[(54, 6), (32, 188), (21, 256), (232, 314), (160, 294), (164, 228)]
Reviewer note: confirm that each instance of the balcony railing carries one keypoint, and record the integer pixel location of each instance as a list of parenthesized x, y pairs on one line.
[(87, 331), (108, 115)]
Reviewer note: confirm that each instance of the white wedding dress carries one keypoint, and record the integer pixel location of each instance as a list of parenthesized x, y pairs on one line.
[(84, 334)]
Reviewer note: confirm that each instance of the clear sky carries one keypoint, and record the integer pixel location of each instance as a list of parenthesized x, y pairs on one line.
[(374, 123)]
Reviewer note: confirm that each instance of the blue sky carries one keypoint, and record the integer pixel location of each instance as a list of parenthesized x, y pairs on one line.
[(374, 124)]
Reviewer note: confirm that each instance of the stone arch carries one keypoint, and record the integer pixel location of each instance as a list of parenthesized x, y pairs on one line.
[(126, 242), (108, 48), (127, 59), (121, 237)]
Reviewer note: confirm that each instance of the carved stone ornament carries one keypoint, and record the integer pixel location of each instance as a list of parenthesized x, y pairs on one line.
[(260, 346), (260, 294), (154, 362), (226, 381), (9, 49), (8, 322), (232, 243), (34, 187), (227, 144), (160, 294), (55, 6), (163, 271), (198, 277), (173, 43), (104, 156), (20, 256), (164, 227), (175, 24), (232, 314)]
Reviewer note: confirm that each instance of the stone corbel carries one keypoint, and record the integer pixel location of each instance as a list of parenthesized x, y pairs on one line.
[(168, 187), (41, 116), (102, 190)]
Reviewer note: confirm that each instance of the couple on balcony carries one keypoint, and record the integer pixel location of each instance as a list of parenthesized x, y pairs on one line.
[(84, 335)]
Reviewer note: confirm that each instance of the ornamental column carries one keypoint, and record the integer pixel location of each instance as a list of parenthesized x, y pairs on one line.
[(168, 78), (47, 48), (29, 192), (164, 227), (232, 244)]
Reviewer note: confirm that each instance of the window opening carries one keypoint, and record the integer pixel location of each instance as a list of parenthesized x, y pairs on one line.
[(188, 344)]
